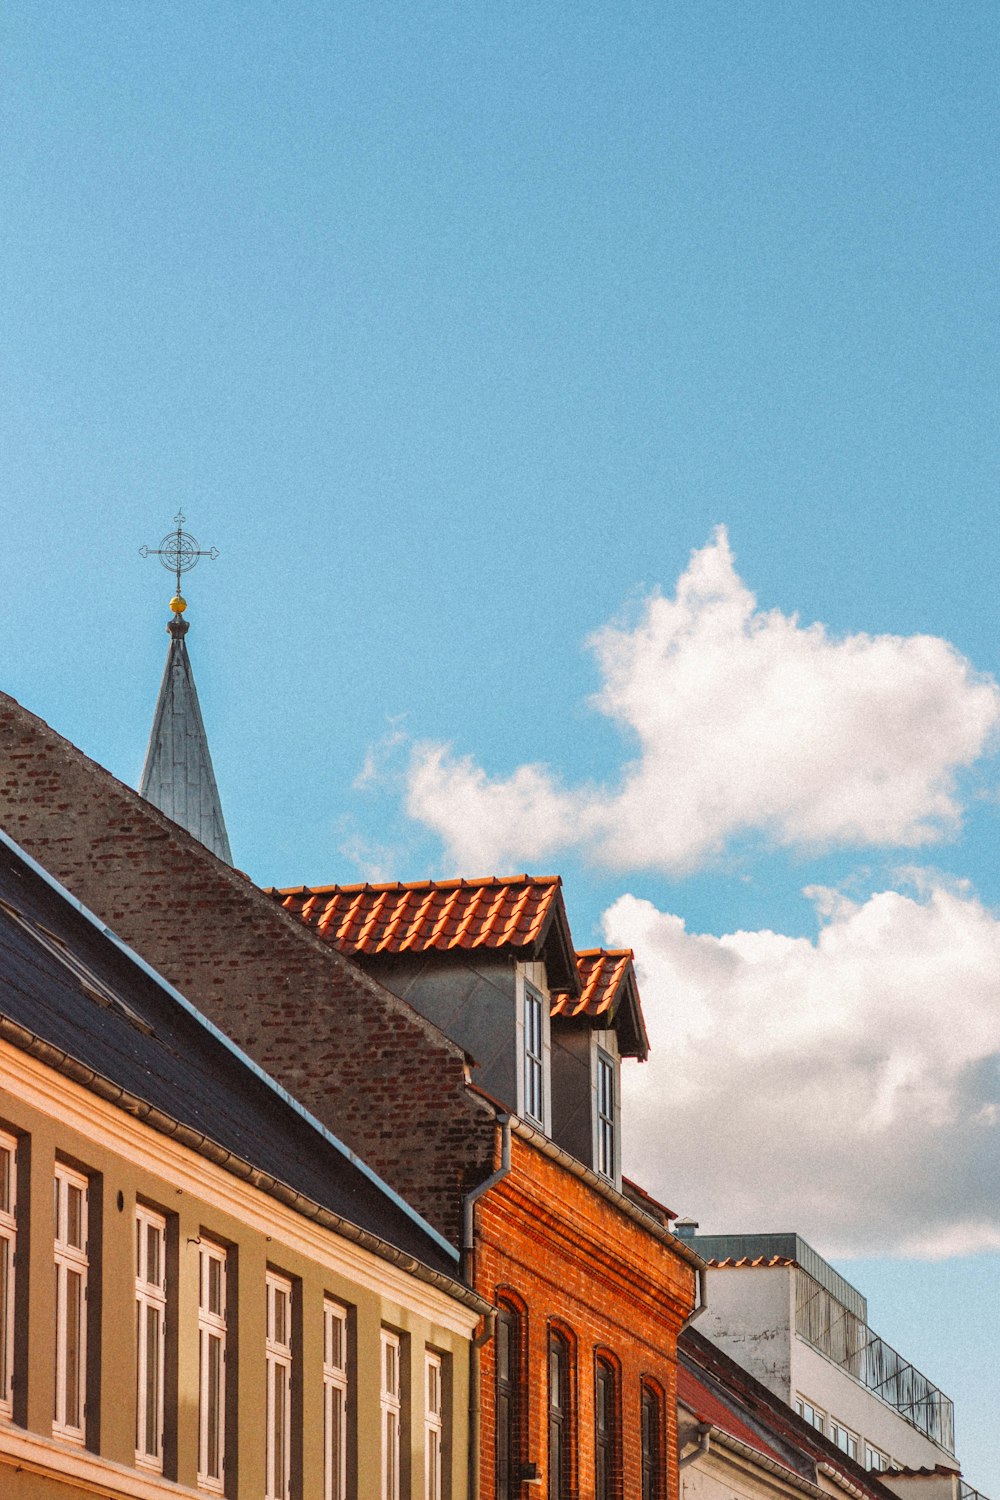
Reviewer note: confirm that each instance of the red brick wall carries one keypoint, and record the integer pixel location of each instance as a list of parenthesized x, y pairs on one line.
[(383, 1079), (578, 1263)]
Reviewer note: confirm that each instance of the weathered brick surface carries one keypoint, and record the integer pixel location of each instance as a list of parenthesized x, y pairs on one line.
[(571, 1260), (383, 1079)]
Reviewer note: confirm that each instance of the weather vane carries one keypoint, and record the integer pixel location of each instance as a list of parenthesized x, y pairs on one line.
[(178, 552)]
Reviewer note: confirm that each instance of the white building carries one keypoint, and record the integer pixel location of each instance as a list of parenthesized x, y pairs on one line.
[(786, 1316)]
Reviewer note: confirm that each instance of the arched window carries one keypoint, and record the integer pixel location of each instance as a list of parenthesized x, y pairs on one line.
[(652, 1443), (509, 1397), (607, 1426), (559, 1417)]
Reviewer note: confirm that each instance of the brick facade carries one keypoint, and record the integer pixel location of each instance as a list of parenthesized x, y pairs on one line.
[(569, 1258), (568, 1253), (382, 1078)]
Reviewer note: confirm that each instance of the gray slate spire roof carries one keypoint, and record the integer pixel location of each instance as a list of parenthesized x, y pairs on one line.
[(177, 776)]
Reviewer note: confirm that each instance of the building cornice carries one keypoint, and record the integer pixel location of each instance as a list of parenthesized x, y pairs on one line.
[(64, 1089), (89, 1474)]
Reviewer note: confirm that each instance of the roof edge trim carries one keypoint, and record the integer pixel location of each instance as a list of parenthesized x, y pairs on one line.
[(203, 1145), (231, 1047)]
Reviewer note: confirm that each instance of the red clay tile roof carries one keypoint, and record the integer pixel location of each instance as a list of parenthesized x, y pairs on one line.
[(602, 972), (524, 913), (745, 1262), (608, 993), (702, 1401)]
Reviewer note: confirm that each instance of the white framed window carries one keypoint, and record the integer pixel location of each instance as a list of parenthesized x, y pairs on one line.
[(278, 1362), (334, 1401), (607, 1109), (875, 1459), (845, 1440), (811, 1414), (433, 1426), (72, 1265), (534, 1054), (212, 1314), (8, 1246), (150, 1335), (392, 1414)]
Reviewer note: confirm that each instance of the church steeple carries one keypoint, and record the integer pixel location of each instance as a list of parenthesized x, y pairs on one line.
[(177, 776)]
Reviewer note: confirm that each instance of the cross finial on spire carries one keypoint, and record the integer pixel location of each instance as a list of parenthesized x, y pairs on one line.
[(178, 552)]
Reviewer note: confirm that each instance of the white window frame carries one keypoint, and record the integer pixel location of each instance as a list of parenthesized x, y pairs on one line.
[(8, 1251), (278, 1376), (72, 1264), (150, 1335), (391, 1403), (433, 1425), (530, 982), (845, 1439), (335, 1388), (607, 1128), (876, 1459), (811, 1414), (212, 1327)]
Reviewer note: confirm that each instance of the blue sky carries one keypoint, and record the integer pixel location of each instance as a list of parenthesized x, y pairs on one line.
[(459, 330)]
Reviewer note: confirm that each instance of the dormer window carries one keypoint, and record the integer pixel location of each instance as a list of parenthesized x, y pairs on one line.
[(606, 1111), (534, 1054)]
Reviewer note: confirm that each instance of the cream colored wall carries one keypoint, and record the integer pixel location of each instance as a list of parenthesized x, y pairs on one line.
[(837, 1394), (127, 1161), (721, 1474)]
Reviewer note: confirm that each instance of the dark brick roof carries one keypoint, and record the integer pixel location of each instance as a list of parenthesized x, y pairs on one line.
[(72, 986)]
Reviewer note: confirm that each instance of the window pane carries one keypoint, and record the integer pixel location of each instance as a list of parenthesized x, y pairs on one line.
[(74, 1305), (213, 1406), (74, 1216), (5, 1313)]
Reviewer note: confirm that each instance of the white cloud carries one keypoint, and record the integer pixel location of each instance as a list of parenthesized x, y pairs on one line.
[(848, 1087), (746, 721)]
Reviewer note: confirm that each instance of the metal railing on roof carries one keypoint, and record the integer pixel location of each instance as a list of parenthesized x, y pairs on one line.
[(966, 1492), (835, 1331)]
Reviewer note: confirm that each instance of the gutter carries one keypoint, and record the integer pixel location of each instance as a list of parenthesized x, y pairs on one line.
[(707, 1434), (186, 1135), (489, 1317)]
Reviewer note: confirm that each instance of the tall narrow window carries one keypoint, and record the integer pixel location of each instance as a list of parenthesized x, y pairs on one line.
[(433, 1426), (534, 1100), (71, 1303), (8, 1244), (334, 1401), (652, 1444), (559, 1423), (150, 1329), (278, 1369), (605, 1431), (211, 1367), (392, 1409), (508, 1391), (605, 1115)]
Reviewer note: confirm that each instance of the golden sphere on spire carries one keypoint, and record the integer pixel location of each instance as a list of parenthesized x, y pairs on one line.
[(178, 605)]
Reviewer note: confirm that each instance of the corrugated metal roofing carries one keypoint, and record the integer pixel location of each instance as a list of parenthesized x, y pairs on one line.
[(67, 983)]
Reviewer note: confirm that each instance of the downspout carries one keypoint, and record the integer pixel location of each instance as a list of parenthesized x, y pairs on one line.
[(702, 1302), (704, 1443), (489, 1321)]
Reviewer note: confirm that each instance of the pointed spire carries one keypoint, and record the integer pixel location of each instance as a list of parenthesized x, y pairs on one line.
[(177, 776)]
